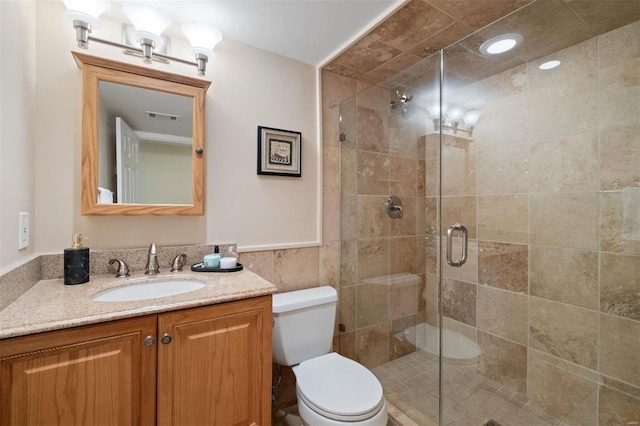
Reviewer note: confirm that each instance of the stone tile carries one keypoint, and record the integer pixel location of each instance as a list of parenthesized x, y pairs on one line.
[(335, 89), (372, 130), (367, 54), (391, 68), (503, 122), (503, 361), (372, 304), (615, 228), (619, 102), (579, 59), (414, 22), (349, 171), (477, 13), (373, 173), (431, 255), (562, 389), (459, 301), (504, 218), (459, 174), (467, 272), (503, 313), (619, 46), (373, 258), (503, 170), (617, 408), (331, 169), (372, 345), (447, 36), (349, 217), (565, 331), (431, 177), (348, 123), (421, 178), (329, 273), (619, 284), (259, 262), (406, 225), (568, 163), (347, 308), (507, 83), (403, 175), (372, 219), (430, 296), (459, 210), (602, 18), (503, 266), (342, 71), (403, 133), (403, 252), (430, 216), (620, 348), (399, 344), (331, 217), (565, 220), (566, 108), (348, 259), (620, 158), (564, 275), (295, 269), (403, 300), (347, 342)]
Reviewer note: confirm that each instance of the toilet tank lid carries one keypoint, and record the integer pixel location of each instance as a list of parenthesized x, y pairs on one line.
[(299, 299)]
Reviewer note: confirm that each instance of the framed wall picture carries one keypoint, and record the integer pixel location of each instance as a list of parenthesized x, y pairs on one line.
[(279, 152)]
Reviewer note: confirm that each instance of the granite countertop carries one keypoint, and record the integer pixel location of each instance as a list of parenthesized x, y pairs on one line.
[(51, 305)]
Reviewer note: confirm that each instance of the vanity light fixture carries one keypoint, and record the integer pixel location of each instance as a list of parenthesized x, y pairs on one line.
[(500, 44), (149, 24), (549, 65), (455, 118)]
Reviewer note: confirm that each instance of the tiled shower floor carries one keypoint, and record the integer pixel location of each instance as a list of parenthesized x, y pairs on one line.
[(411, 384)]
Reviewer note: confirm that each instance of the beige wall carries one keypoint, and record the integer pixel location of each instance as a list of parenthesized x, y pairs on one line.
[(250, 87), (17, 108)]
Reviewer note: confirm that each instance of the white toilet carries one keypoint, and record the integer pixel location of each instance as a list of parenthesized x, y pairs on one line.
[(331, 389)]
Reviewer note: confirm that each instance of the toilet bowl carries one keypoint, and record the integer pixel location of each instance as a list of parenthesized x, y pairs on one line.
[(330, 389), (334, 390)]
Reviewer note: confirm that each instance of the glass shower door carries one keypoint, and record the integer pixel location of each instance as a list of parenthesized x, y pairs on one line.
[(541, 166)]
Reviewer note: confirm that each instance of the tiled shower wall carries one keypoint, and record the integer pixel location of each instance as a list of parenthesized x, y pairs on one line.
[(550, 291), (551, 288)]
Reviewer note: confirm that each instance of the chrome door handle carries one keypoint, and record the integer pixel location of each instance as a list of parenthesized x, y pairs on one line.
[(459, 262)]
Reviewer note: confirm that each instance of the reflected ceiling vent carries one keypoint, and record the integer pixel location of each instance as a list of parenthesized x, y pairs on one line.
[(500, 44), (162, 116)]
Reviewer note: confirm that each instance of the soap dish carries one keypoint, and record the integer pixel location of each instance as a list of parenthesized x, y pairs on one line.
[(199, 267)]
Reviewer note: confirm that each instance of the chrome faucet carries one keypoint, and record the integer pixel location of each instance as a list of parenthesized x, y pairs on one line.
[(152, 267), (122, 270), (178, 262)]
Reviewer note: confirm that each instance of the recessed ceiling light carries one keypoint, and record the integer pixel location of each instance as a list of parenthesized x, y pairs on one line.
[(549, 65), (501, 44)]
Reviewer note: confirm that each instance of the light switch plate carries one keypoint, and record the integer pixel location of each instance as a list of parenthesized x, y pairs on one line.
[(23, 230)]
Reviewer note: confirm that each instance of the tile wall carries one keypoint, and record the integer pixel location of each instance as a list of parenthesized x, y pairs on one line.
[(546, 188)]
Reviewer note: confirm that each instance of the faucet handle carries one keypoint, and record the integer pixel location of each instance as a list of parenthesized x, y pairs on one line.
[(123, 268), (178, 262)]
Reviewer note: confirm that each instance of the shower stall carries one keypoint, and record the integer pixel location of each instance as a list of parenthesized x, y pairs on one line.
[(490, 220)]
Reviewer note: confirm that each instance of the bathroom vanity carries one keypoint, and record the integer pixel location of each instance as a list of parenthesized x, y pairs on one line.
[(203, 357)]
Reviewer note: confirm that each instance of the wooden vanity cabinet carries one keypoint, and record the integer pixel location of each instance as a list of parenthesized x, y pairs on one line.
[(206, 366)]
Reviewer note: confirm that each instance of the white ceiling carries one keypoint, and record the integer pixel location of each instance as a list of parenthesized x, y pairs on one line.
[(306, 30)]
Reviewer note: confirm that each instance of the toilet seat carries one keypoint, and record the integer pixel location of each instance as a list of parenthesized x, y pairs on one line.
[(339, 388)]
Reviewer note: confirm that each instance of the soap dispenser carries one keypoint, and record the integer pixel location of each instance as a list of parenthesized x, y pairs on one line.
[(76, 262)]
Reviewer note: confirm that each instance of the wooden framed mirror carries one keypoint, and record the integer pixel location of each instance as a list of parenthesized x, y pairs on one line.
[(142, 140)]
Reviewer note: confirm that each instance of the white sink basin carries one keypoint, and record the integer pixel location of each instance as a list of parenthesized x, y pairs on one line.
[(148, 290)]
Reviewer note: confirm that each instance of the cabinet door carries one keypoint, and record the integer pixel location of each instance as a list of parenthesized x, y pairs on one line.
[(216, 370), (94, 375)]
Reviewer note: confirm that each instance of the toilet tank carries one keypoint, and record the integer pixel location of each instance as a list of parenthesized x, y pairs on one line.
[(303, 324)]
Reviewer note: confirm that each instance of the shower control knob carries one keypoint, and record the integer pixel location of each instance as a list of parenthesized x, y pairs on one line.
[(199, 151)]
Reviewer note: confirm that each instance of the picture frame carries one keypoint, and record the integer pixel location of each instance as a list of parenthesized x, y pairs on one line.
[(279, 152)]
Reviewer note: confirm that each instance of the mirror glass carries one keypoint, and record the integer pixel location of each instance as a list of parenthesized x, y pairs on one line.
[(143, 140), (145, 146)]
